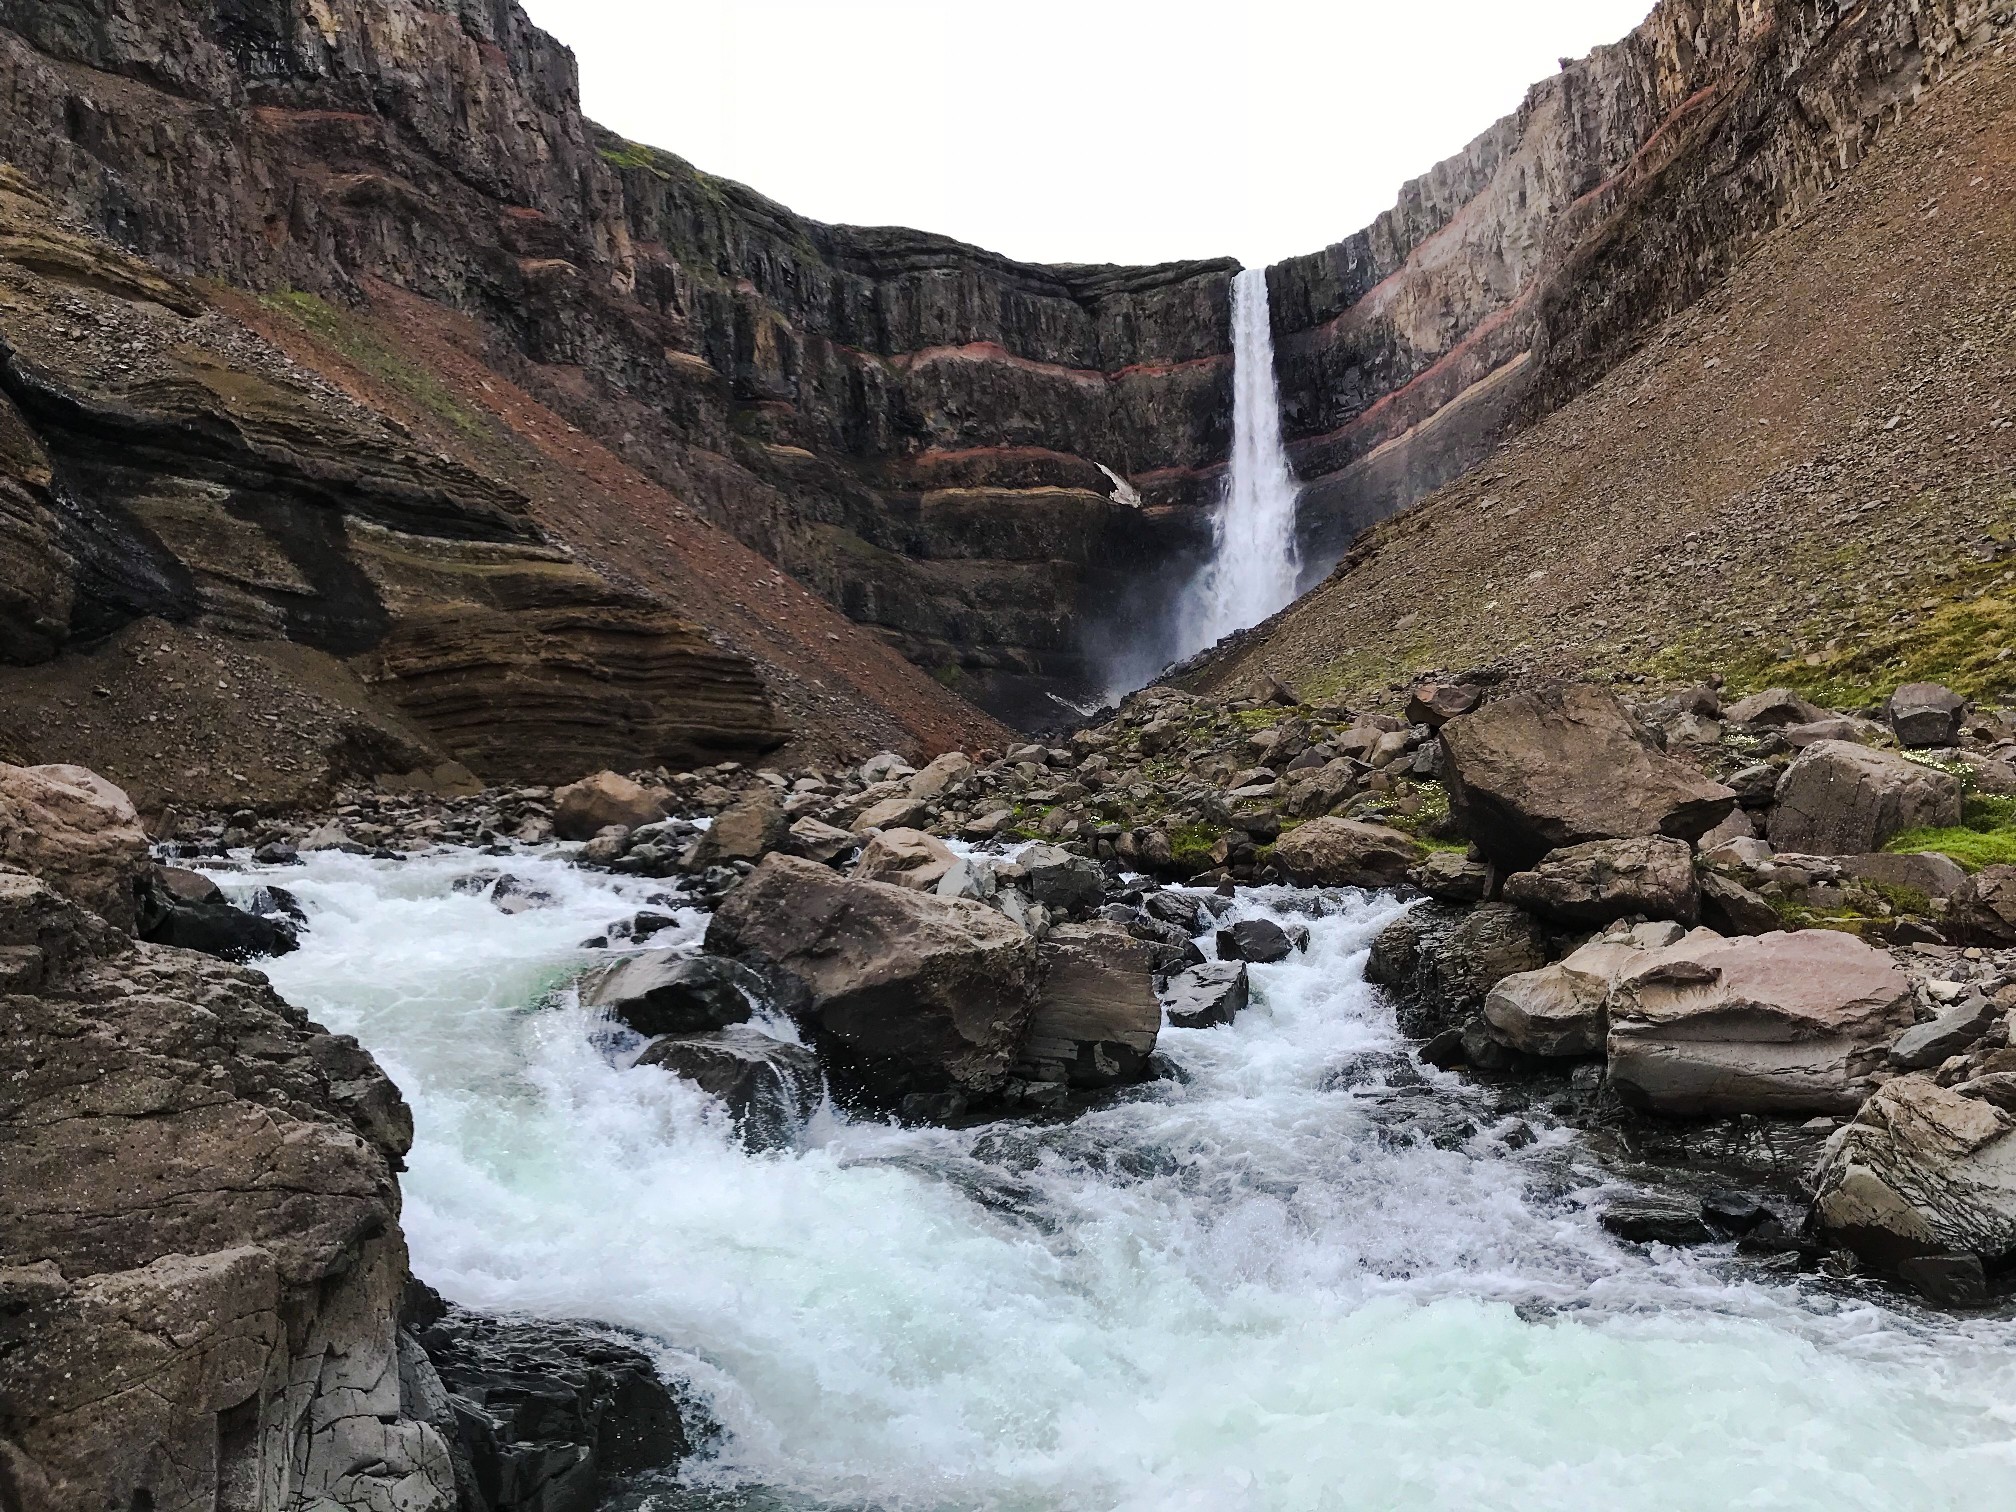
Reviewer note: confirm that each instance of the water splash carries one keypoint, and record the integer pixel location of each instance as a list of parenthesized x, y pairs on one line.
[(1254, 562)]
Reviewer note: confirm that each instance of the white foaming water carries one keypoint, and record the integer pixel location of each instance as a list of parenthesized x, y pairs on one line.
[(1230, 1292), (1254, 562)]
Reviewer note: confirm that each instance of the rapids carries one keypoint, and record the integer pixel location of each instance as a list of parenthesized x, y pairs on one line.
[(1237, 1290)]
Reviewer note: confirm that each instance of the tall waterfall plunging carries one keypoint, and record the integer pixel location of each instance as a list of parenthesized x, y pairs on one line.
[(1254, 562)]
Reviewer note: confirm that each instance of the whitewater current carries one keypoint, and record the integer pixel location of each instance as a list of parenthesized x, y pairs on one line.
[(1233, 1289)]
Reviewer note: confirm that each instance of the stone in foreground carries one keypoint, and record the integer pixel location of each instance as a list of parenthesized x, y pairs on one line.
[(1097, 1019), (1347, 853), (1260, 941), (1206, 996), (1922, 1170), (78, 833), (907, 992), (1560, 766), (1603, 881), (1559, 1010), (1775, 1023)]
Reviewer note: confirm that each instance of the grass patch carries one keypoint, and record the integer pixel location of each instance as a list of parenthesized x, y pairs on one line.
[(355, 340), (1985, 836), (1190, 845)]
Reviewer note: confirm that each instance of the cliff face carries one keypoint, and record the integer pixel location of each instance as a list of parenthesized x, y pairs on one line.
[(911, 426), (1518, 272)]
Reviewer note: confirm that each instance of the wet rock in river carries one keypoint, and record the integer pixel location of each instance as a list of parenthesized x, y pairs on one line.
[(769, 1086), (665, 992)]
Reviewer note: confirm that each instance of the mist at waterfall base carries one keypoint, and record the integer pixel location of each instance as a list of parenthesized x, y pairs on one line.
[(1253, 565), (1241, 1290)]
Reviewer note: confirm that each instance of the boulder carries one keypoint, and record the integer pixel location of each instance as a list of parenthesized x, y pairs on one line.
[(1097, 1017), (1601, 881), (78, 833), (906, 992), (1059, 880), (1207, 995), (1775, 1023), (1260, 941), (210, 924), (819, 841), (1657, 1220), (942, 775), (1923, 1047), (1559, 1010), (666, 992), (769, 1086), (583, 809), (1434, 704), (1926, 872), (544, 1416), (1926, 714), (1730, 908), (1983, 909), (1841, 799), (1441, 961), (1347, 853), (905, 858), (1452, 877), (885, 767), (747, 830), (1778, 708), (1921, 1170), (890, 813), (1560, 766)]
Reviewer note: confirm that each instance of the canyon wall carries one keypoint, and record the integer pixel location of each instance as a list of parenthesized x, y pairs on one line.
[(1516, 273)]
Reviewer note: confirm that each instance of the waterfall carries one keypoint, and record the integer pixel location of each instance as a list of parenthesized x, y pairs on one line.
[(1254, 563)]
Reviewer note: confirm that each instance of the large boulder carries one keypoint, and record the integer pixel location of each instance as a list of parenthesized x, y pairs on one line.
[(1983, 908), (1059, 880), (1208, 995), (1347, 853), (1560, 766), (769, 1086), (1442, 961), (906, 992), (665, 992), (1097, 1018), (78, 833), (170, 915), (1602, 881), (1922, 1170), (1926, 714), (1774, 1023), (900, 812), (582, 810), (905, 858), (941, 775), (1842, 799), (1261, 941), (747, 830), (1560, 1010)]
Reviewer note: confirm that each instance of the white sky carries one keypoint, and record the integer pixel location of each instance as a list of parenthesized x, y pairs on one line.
[(1075, 130)]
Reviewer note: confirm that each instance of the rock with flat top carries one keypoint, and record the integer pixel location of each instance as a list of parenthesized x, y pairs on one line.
[(1449, 876), (1926, 714), (890, 813), (1775, 1023), (583, 809), (1561, 766), (1434, 704), (1924, 1046), (1347, 853), (747, 830), (1602, 881), (819, 841), (1207, 995), (1097, 1017), (1842, 799), (1926, 872)]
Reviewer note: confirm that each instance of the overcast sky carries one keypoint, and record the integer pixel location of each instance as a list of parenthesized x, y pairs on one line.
[(1075, 130)]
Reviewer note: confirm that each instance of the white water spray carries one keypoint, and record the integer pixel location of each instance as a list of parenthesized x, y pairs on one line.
[(1244, 1290), (1254, 562)]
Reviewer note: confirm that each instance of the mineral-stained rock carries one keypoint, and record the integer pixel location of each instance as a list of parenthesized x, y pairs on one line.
[(1842, 799), (77, 832), (1560, 766), (545, 1414), (1559, 1009), (1347, 853), (1921, 1170), (1097, 1018), (769, 1086), (905, 858), (1773, 1023), (1435, 704), (907, 992), (1983, 909), (1205, 996), (583, 809), (1604, 880), (1926, 714), (666, 992)]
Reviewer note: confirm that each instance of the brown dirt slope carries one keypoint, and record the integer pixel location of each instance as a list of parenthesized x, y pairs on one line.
[(1807, 478)]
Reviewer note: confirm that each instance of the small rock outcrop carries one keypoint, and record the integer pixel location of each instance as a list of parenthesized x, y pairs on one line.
[(1791, 1023), (1840, 799), (1560, 766), (1347, 853), (1605, 880)]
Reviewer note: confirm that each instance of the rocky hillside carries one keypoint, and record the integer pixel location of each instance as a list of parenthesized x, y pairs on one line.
[(1808, 478)]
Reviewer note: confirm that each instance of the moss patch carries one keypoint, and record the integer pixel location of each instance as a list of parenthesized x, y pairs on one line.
[(1985, 836), (353, 338)]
